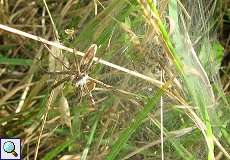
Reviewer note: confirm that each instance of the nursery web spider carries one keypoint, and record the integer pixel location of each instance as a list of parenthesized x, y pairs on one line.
[(78, 75)]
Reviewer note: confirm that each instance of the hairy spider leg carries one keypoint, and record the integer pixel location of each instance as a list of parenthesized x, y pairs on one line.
[(60, 82), (90, 96), (58, 59)]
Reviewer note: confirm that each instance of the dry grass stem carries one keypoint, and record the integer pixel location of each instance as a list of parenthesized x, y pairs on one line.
[(60, 46)]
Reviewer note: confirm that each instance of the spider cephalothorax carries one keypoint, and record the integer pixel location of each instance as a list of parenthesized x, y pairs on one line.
[(80, 80)]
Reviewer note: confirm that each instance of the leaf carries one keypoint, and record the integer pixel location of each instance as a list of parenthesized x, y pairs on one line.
[(64, 110)]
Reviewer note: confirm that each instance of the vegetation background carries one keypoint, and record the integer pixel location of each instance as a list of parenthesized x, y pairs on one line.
[(170, 86)]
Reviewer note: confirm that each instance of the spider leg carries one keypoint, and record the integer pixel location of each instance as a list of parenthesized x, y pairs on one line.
[(60, 72), (81, 94), (77, 64), (40, 65), (90, 96), (78, 94), (111, 88), (60, 82), (101, 83), (58, 59), (53, 72)]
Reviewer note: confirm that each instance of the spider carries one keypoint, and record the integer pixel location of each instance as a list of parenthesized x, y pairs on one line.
[(79, 77)]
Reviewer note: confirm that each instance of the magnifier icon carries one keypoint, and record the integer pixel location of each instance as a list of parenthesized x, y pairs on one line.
[(9, 147)]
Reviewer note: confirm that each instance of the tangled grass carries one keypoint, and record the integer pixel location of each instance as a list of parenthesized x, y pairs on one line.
[(160, 62)]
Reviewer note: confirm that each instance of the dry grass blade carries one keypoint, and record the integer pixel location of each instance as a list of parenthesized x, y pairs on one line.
[(70, 157), (13, 92), (23, 97), (48, 106), (56, 91), (60, 46)]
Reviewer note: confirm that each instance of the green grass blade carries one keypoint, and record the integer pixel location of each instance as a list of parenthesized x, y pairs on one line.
[(52, 154), (15, 61), (92, 133), (186, 63), (134, 124), (196, 85)]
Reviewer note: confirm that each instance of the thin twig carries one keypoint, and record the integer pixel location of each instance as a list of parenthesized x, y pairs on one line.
[(162, 120), (60, 46)]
